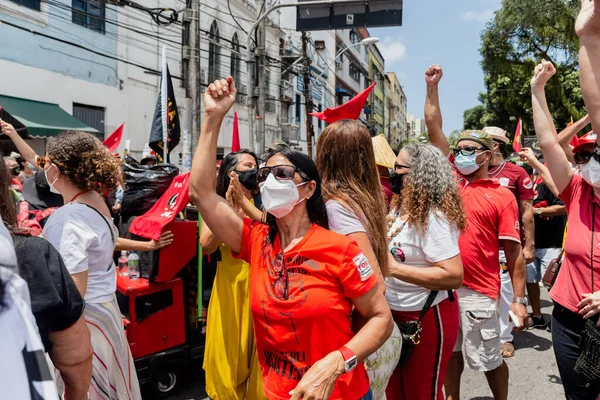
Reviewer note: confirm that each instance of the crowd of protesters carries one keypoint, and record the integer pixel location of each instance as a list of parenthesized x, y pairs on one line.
[(354, 277)]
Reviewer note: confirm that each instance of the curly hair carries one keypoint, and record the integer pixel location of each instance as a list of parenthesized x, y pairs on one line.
[(430, 186), (346, 162), (85, 161)]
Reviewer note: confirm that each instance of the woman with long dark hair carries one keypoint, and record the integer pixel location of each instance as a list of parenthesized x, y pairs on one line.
[(304, 279), (356, 208), (424, 263), (80, 168), (230, 359)]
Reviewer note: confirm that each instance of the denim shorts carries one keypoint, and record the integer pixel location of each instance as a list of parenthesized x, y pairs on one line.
[(368, 396)]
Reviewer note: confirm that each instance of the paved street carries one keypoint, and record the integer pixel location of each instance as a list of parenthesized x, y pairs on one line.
[(533, 371)]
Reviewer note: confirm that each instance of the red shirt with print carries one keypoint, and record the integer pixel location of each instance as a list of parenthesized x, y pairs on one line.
[(575, 278), (514, 178), (297, 327), (492, 215)]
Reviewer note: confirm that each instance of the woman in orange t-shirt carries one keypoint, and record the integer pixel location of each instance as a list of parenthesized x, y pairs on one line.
[(304, 279)]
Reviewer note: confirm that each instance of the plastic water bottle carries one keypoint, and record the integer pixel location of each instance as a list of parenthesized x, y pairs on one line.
[(123, 261), (134, 265)]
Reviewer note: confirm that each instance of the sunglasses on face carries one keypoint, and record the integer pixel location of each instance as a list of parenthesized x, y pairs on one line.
[(282, 281), (400, 166), (468, 151), (280, 172), (583, 157)]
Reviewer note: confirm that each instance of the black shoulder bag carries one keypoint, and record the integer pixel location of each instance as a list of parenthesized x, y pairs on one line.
[(411, 330), (588, 363)]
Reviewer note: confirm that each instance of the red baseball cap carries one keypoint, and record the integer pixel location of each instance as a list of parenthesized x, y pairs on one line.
[(588, 138)]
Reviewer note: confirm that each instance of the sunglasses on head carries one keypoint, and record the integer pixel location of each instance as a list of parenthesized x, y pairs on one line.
[(468, 151), (42, 161), (583, 157), (280, 172)]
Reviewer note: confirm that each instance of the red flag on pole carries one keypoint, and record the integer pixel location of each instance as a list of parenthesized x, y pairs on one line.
[(235, 140), (517, 140), (164, 211), (113, 141), (349, 110)]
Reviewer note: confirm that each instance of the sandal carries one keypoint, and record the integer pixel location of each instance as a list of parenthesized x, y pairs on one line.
[(507, 349)]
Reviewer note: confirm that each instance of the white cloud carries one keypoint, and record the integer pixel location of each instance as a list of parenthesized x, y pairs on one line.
[(478, 16), (393, 50)]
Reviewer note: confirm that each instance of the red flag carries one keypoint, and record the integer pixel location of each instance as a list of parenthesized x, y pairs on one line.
[(349, 110), (517, 140), (164, 211), (235, 140), (113, 141)]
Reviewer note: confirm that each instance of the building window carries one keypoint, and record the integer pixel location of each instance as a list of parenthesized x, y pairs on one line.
[(354, 73), (298, 109), (89, 14), (90, 115), (33, 4), (354, 38), (235, 58), (214, 53)]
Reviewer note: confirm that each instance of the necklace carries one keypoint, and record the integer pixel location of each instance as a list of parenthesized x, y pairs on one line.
[(394, 240), (393, 235)]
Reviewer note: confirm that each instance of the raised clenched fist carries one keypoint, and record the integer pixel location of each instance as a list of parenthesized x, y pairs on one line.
[(542, 74), (588, 21), (220, 97), (433, 74)]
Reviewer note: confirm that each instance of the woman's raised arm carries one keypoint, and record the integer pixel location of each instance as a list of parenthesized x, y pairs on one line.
[(223, 220)]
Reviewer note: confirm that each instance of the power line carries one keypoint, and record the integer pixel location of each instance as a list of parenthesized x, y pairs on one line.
[(83, 48)]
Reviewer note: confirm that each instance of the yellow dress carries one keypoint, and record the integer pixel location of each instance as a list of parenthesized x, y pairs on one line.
[(230, 360)]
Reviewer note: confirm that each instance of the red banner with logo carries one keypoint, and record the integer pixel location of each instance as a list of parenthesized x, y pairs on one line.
[(172, 202)]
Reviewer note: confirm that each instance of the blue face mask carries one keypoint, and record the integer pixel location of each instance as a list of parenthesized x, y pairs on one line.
[(466, 165)]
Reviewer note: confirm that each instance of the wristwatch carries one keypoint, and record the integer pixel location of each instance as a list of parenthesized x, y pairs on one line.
[(350, 361), (538, 211), (521, 300)]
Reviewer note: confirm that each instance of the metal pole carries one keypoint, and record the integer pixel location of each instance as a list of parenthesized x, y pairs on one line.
[(191, 74), (164, 106), (335, 58), (261, 53), (308, 106)]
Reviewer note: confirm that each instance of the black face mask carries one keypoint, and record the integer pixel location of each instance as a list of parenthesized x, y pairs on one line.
[(248, 178), (396, 182), (15, 171)]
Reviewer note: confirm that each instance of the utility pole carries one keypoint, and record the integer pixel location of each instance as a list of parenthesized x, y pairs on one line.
[(261, 64), (307, 96), (191, 66)]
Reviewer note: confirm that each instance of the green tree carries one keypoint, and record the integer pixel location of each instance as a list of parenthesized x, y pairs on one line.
[(522, 33), (453, 138)]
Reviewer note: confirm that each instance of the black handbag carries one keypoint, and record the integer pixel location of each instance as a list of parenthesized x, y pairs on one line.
[(411, 330), (588, 363)]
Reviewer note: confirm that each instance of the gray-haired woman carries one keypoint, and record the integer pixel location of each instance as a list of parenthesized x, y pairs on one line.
[(425, 223)]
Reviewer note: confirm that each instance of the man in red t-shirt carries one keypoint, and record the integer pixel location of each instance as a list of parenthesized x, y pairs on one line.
[(492, 218), (518, 182)]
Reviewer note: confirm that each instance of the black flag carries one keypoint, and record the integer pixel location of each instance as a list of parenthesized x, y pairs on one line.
[(173, 126)]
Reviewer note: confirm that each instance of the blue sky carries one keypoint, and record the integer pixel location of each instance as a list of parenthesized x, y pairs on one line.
[(442, 32)]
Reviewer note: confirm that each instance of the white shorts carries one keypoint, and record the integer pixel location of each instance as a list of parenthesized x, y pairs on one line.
[(479, 332)]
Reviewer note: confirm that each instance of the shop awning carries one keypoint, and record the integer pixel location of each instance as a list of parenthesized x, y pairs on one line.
[(38, 119)]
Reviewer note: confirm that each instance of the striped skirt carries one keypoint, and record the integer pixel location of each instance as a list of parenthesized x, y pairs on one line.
[(114, 376)]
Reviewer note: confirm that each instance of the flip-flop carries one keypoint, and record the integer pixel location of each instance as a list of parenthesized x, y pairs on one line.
[(507, 349)]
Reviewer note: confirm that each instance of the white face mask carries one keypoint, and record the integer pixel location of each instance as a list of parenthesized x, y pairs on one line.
[(590, 172), (279, 197), (51, 184)]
